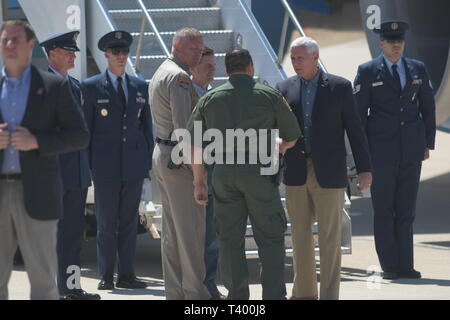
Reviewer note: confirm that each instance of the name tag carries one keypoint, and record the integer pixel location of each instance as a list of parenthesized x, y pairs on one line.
[(103, 101), (376, 84)]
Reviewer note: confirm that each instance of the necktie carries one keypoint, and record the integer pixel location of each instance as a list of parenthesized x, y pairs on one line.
[(396, 77), (121, 93)]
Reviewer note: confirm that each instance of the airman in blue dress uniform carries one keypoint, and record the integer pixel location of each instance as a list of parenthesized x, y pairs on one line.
[(74, 168), (396, 102), (118, 116)]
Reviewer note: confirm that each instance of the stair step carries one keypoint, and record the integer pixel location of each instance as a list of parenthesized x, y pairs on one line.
[(149, 64), (218, 40), (155, 4), (169, 19)]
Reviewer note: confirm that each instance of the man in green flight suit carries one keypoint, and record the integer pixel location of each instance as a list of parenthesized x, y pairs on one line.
[(242, 189)]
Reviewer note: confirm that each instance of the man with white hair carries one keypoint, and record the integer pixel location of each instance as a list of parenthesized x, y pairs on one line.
[(173, 98), (316, 171)]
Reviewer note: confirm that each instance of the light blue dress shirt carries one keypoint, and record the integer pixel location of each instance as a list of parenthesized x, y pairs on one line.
[(308, 94), (200, 91), (13, 103), (400, 69), (115, 83)]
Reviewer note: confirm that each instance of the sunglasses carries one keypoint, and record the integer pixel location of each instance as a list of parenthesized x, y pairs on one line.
[(119, 51)]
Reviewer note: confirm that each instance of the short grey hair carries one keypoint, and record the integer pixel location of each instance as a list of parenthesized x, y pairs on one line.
[(309, 43), (185, 33)]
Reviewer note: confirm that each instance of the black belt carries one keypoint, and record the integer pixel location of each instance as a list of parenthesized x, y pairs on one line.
[(11, 177), (169, 143)]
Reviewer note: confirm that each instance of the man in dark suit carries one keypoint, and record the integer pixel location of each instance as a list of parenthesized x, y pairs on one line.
[(120, 152), (316, 171), (39, 120), (75, 174), (397, 108)]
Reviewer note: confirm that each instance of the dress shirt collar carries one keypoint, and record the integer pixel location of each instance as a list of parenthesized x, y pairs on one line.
[(24, 77), (113, 78), (389, 64), (314, 81), (59, 74)]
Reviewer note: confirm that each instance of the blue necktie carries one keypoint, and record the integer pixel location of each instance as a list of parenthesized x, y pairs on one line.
[(396, 77)]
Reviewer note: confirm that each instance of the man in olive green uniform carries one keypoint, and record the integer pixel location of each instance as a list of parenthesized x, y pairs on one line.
[(241, 190), (172, 99)]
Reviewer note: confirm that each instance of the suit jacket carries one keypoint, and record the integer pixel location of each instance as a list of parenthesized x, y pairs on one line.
[(53, 117), (399, 126), (121, 142), (75, 165), (334, 113)]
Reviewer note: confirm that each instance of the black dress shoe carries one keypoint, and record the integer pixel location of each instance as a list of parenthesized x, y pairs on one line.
[(389, 275), (130, 282), (409, 274), (79, 294), (106, 285)]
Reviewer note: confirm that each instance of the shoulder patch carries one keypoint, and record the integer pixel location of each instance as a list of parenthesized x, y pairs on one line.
[(184, 82), (285, 103)]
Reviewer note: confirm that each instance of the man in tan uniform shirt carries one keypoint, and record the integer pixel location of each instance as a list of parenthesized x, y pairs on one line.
[(172, 99)]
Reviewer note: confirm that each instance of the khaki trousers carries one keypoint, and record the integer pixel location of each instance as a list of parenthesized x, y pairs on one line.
[(183, 231), (306, 204), (37, 242)]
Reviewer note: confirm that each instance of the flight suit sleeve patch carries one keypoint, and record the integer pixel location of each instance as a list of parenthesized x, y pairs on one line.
[(285, 103)]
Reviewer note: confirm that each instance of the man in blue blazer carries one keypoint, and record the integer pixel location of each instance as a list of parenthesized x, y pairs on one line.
[(120, 152), (74, 167), (397, 108), (316, 168)]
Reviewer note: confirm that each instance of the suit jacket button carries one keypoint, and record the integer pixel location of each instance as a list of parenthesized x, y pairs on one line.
[(402, 123), (401, 110), (124, 139)]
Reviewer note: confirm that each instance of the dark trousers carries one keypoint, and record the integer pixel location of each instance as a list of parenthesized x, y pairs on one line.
[(117, 211), (394, 194), (211, 242), (70, 235)]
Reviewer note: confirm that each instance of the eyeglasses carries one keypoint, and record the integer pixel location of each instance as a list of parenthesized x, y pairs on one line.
[(119, 51)]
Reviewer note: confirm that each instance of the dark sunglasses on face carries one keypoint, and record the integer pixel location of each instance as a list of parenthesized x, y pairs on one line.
[(118, 51)]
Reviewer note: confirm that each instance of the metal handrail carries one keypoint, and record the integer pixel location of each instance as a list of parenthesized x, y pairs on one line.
[(289, 13), (147, 18)]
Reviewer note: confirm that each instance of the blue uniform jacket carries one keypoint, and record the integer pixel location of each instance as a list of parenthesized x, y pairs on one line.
[(399, 126), (74, 166), (121, 143)]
